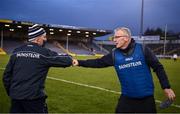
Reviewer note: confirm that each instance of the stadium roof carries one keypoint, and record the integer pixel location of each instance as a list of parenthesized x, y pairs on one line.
[(13, 28)]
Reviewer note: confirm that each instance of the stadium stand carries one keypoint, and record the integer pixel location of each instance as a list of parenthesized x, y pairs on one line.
[(159, 47), (171, 48), (108, 47), (76, 48), (99, 47), (79, 38), (53, 46), (10, 45), (156, 48)]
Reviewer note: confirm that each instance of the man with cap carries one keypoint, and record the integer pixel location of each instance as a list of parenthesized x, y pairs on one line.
[(132, 62), (26, 71)]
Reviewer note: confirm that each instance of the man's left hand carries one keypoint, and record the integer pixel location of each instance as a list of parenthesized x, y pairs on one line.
[(170, 94)]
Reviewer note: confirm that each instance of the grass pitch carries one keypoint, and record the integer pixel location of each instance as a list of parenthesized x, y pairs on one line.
[(65, 95)]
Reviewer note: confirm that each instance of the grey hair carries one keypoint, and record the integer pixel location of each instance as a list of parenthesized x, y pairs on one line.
[(124, 29)]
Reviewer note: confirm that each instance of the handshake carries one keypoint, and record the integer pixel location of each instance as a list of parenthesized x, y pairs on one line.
[(75, 62)]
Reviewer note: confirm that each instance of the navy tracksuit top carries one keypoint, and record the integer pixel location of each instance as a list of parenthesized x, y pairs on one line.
[(25, 74)]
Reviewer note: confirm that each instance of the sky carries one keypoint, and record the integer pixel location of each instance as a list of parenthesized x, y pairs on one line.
[(99, 14)]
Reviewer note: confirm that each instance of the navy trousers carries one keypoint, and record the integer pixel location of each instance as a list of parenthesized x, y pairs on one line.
[(29, 106), (136, 105)]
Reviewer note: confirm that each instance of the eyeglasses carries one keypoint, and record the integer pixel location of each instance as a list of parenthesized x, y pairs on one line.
[(116, 37)]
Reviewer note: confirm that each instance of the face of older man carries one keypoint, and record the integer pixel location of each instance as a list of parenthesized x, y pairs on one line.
[(42, 39), (121, 39)]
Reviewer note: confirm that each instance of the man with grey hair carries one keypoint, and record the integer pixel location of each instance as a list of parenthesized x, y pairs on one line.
[(124, 29), (25, 74), (132, 62)]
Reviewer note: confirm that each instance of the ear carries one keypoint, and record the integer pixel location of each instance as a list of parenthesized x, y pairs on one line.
[(38, 40), (126, 39)]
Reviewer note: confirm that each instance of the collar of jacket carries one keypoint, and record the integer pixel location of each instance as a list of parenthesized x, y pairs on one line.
[(32, 43), (130, 48)]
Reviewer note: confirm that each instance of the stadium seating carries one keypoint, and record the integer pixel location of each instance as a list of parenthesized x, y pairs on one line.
[(10, 45), (75, 48), (158, 49), (90, 48), (53, 46), (99, 49), (171, 48)]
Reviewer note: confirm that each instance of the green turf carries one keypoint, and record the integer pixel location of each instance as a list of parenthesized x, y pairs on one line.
[(66, 97)]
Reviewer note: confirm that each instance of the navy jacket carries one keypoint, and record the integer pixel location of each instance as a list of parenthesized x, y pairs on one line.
[(25, 74), (150, 58)]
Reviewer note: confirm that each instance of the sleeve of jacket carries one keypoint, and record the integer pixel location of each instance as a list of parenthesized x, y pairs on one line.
[(157, 67), (104, 61), (55, 60), (8, 72)]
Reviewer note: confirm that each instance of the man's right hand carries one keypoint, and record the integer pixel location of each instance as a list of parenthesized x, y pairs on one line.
[(75, 62)]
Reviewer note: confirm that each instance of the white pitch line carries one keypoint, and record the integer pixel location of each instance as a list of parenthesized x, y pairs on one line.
[(85, 85), (95, 87), (99, 88), (2, 68)]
